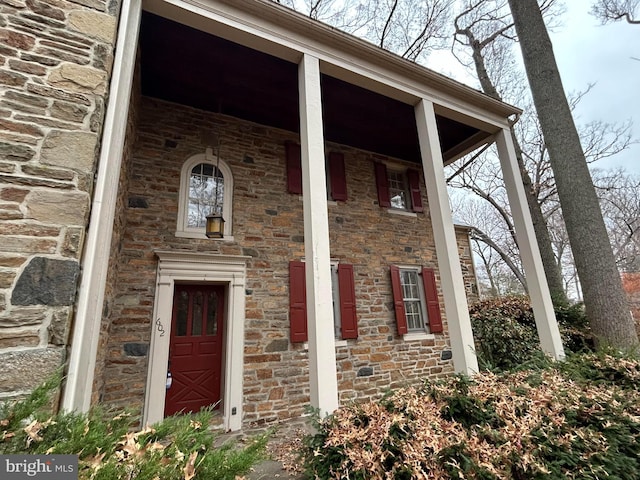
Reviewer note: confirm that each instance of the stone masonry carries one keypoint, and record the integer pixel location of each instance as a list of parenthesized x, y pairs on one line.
[(268, 227), (55, 62)]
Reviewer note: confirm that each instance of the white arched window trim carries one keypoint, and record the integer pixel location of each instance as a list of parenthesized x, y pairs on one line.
[(182, 230)]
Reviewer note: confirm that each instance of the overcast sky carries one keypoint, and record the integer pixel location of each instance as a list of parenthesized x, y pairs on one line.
[(587, 52)]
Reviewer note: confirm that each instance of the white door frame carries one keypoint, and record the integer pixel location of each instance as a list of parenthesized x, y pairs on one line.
[(198, 267)]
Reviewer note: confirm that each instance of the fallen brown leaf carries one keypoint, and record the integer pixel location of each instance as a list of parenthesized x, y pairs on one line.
[(94, 461), (33, 429), (190, 468)]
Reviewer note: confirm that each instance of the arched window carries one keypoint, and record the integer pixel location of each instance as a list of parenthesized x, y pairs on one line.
[(203, 177)]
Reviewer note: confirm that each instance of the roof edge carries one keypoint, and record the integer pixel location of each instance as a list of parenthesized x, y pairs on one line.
[(338, 39)]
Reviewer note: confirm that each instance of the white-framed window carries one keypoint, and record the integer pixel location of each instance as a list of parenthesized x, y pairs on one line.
[(203, 176), (345, 324), (335, 296), (413, 298), (398, 189)]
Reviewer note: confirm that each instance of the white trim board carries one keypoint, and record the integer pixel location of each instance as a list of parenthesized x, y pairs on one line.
[(177, 266), (97, 251)]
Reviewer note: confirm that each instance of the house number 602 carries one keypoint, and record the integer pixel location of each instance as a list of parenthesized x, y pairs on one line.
[(160, 327)]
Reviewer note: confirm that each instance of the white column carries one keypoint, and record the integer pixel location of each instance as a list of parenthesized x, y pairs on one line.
[(451, 280), (95, 262), (156, 390), (322, 354), (543, 312), (233, 394)]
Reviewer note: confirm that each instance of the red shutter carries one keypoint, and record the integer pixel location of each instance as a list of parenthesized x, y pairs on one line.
[(433, 304), (414, 186), (398, 301), (347, 288), (382, 182), (337, 176), (294, 168), (297, 302)]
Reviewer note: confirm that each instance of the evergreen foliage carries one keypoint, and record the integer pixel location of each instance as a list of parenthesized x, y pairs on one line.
[(576, 419), (506, 337), (109, 448)]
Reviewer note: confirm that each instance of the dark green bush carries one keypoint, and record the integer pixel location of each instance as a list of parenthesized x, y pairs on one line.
[(109, 448), (506, 337), (562, 422), (574, 328)]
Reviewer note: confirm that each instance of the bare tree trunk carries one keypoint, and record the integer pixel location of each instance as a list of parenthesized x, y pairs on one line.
[(549, 263), (605, 301), (551, 268)]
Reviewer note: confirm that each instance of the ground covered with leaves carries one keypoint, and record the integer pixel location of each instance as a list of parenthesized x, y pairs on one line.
[(575, 419), (109, 447)]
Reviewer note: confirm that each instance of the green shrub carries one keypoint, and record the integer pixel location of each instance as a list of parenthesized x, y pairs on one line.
[(574, 328), (506, 337), (554, 423), (109, 448)]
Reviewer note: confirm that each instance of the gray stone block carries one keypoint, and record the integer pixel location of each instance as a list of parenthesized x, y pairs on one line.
[(279, 345), (365, 372), (46, 281), (136, 349), (27, 369)]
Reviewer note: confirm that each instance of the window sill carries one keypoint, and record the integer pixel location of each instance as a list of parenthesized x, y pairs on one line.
[(415, 336), (202, 236), (338, 343), (330, 203), (403, 213)]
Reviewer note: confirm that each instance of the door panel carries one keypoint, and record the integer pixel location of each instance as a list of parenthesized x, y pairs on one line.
[(195, 351)]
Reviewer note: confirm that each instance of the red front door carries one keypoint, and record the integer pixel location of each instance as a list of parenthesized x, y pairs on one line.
[(195, 352)]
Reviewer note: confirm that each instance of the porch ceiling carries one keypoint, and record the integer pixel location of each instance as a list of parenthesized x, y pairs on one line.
[(187, 66)]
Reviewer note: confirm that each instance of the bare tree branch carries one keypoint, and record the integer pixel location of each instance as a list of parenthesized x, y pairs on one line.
[(385, 30), (608, 11), (479, 235)]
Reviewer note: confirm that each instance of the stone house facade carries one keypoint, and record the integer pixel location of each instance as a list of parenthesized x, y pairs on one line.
[(55, 63), (339, 273)]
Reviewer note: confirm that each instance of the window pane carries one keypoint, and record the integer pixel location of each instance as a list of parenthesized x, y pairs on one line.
[(181, 314), (207, 169), (405, 281), (409, 282), (196, 323), (208, 188), (414, 315), (398, 189), (414, 309), (212, 314), (335, 293), (220, 181), (202, 194)]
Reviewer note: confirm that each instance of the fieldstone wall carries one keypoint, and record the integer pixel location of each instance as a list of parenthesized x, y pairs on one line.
[(268, 226), (118, 232), (55, 63), (466, 262)]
